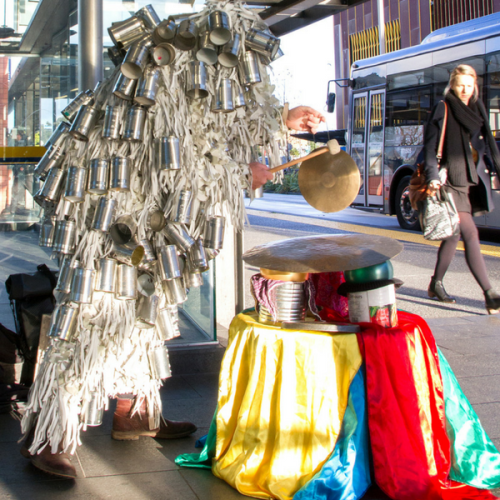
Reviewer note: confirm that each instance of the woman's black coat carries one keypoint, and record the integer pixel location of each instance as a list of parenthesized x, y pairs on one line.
[(480, 194)]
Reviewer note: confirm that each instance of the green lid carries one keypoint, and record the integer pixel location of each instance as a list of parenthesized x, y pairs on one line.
[(377, 272)]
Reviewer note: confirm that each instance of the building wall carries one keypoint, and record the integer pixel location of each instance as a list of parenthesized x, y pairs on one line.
[(416, 22)]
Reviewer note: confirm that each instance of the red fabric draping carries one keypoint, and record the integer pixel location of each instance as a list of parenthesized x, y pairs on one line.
[(410, 447)]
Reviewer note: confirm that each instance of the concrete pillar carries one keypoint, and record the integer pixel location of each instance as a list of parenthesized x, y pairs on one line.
[(381, 25), (229, 286), (90, 43)]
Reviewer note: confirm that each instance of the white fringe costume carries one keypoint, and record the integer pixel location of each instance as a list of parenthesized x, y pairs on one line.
[(108, 355)]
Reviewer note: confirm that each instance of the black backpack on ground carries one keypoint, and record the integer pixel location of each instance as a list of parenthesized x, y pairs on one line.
[(30, 297)]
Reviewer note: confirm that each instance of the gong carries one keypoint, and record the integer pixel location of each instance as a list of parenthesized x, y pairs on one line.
[(329, 183), (325, 253)]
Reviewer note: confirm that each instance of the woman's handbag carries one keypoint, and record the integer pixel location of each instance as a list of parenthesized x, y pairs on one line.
[(439, 217), (418, 181)]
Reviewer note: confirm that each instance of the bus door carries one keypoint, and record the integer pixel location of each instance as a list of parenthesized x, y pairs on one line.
[(367, 145)]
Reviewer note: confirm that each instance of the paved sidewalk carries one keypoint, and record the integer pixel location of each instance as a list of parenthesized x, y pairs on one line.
[(145, 469)]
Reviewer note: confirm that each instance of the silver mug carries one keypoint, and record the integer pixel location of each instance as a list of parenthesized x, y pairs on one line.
[(167, 323), (124, 230), (223, 102), (262, 42), (147, 87), (134, 124), (178, 234), (98, 176), (146, 314), (52, 187), (182, 212), (66, 271), (228, 56), (161, 363), (126, 282), (214, 233), (125, 33), (168, 156), (169, 265), (250, 71), (104, 214), (174, 290), (163, 54), (58, 134), (106, 275), (92, 412), (71, 110), (65, 236), (218, 25), (53, 157), (125, 87), (165, 31), (112, 123), (120, 174), (75, 184), (238, 95), (207, 51), (84, 123), (196, 84), (149, 16), (47, 230), (185, 37), (82, 285), (63, 322), (135, 61)]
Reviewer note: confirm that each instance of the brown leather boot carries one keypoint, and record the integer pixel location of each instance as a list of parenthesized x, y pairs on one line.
[(130, 428), (58, 464)]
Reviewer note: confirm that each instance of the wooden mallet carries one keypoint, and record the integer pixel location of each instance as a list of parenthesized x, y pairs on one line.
[(332, 147)]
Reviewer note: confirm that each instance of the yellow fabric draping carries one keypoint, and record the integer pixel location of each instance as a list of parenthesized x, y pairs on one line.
[(282, 398)]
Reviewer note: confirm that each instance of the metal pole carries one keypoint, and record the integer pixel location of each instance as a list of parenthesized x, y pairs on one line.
[(90, 44), (381, 25), (239, 273)]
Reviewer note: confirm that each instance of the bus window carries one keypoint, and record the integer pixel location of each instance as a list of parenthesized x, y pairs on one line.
[(492, 92), (443, 71), (406, 114)]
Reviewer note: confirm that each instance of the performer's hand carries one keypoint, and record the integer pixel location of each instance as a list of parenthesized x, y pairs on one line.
[(260, 174), (433, 187), (305, 119)]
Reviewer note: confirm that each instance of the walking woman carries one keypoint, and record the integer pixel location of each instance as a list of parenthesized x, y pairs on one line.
[(468, 143)]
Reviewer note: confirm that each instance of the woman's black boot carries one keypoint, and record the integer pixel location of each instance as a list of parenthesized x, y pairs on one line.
[(492, 300), (436, 289)]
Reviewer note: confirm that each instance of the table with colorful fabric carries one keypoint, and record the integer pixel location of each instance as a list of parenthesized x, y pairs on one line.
[(308, 415)]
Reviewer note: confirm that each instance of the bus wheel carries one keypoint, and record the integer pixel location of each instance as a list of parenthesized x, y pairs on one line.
[(407, 217)]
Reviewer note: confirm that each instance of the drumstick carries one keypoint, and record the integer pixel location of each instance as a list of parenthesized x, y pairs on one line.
[(332, 147)]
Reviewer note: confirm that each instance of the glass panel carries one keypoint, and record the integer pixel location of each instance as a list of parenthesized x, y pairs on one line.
[(200, 306), (358, 136), (17, 187), (443, 71), (407, 113), (412, 78), (376, 144), (492, 91)]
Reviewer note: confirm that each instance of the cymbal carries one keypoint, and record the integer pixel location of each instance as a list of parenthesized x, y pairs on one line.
[(324, 253), (329, 183)]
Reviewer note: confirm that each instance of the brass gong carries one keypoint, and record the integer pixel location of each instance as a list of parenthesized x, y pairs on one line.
[(329, 183)]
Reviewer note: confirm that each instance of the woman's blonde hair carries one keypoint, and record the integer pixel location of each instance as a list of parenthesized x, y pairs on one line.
[(463, 69)]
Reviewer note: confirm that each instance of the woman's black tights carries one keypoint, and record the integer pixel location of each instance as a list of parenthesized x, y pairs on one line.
[(473, 256)]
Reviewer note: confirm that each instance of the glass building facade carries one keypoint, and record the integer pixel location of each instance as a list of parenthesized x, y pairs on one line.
[(35, 88)]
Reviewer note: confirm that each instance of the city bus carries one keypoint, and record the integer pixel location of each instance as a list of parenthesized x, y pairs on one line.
[(391, 98)]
